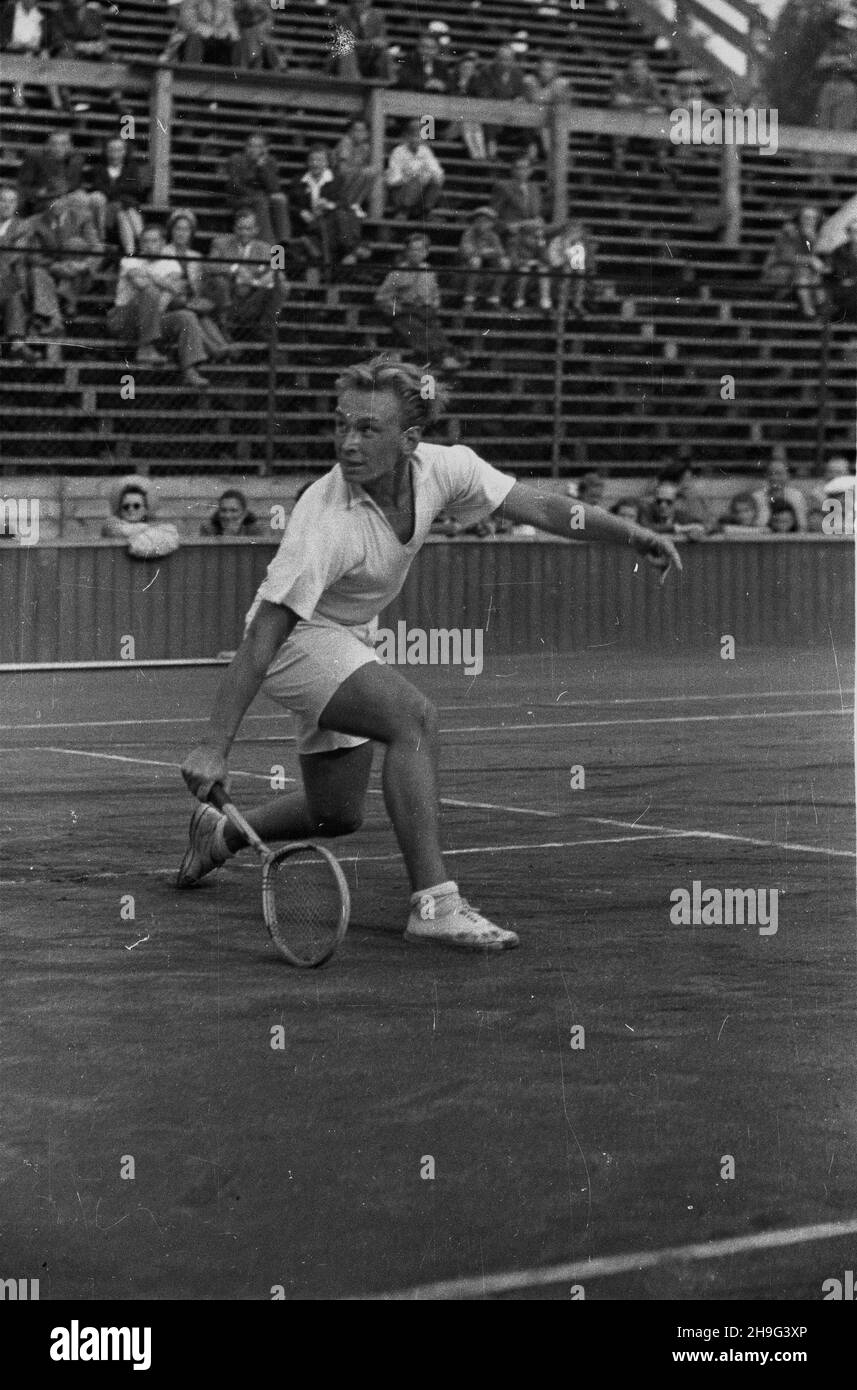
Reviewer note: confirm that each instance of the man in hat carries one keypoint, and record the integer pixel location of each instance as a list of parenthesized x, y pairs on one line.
[(423, 69), (481, 249)]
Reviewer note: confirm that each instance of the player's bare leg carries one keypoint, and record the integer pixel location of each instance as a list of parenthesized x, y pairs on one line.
[(330, 804), (377, 703)]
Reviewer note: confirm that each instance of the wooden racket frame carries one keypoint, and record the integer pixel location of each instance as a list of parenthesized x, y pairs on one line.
[(219, 797)]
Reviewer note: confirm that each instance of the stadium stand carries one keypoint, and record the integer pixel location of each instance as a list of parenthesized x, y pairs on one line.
[(674, 310)]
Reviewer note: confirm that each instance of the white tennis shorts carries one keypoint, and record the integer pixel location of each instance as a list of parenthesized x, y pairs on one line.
[(308, 670)]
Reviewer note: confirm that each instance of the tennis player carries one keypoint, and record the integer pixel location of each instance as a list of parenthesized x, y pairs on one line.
[(309, 639)]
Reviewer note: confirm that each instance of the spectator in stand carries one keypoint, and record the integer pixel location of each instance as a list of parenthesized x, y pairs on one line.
[(635, 89), (362, 48), (206, 32), (691, 506), (843, 276), (463, 83), (815, 521), (423, 69), (82, 34), (517, 202), (30, 30), (255, 20), (742, 518), (49, 173), (67, 251), (836, 474), (777, 489), (130, 511), (572, 252), (792, 264), (181, 230), (415, 176), (783, 519), (119, 186), (628, 508), (502, 80), (352, 165), (660, 513), (481, 250), (252, 181), (232, 517), (13, 275), (147, 288), (547, 90), (241, 281), (591, 489), (331, 228), (410, 297)]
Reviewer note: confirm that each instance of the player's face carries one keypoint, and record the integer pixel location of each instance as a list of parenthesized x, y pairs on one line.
[(368, 435)]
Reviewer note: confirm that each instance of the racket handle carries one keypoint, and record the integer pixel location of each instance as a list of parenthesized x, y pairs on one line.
[(219, 797)]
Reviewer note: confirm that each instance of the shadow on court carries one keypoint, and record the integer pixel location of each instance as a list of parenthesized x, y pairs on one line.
[(432, 1116)]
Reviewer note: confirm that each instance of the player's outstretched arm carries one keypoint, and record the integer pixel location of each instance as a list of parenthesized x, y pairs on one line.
[(573, 520), (206, 763)]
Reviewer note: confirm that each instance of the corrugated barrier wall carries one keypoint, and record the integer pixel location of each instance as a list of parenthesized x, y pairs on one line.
[(70, 601)]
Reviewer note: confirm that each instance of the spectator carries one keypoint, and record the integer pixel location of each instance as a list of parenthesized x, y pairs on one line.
[(843, 276), (424, 70), (232, 517), (465, 83), (252, 181), (352, 165), (691, 506), (628, 508), (13, 275), (635, 89), (181, 230), (331, 228), (782, 520), (481, 249), (547, 90), (147, 286), (742, 518), (206, 32), (410, 297), (502, 80), (361, 43), (518, 204), (30, 30), (82, 34), (572, 253), (49, 173), (118, 188), (777, 489), (660, 513), (67, 252), (241, 281), (415, 176), (793, 265), (591, 489), (815, 521), (837, 100), (255, 22), (834, 475), (129, 509)]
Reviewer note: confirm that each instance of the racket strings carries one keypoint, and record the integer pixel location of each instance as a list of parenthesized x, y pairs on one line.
[(303, 904)]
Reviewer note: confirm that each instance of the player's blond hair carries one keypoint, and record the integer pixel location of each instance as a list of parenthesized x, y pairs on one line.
[(422, 397)]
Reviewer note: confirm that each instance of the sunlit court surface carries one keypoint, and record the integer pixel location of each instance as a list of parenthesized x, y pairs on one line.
[(626, 1107)]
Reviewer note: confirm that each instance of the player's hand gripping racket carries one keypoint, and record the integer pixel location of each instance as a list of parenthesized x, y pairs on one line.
[(305, 898)]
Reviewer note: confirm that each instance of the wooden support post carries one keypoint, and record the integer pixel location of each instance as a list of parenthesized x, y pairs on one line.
[(730, 194), (559, 163), (376, 121), (160, 135)]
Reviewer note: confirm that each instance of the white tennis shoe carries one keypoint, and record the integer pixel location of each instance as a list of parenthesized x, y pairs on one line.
[(441, 915), (203, 853)]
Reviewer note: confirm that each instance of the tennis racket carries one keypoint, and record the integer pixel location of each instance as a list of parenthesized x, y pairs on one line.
[(305, 898)]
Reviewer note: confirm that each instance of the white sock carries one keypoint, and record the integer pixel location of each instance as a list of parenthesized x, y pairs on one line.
[(440, 890)]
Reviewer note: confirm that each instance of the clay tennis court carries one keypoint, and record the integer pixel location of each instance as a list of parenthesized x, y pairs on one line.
[(554, 1166)]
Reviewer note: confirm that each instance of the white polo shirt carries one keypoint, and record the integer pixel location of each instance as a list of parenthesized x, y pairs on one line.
[(340, 559)]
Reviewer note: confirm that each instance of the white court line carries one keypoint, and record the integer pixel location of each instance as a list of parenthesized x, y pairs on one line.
[(358, 859), (266, 777), (654, 719), (581, 1271), (718, 835), (447, 709)]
